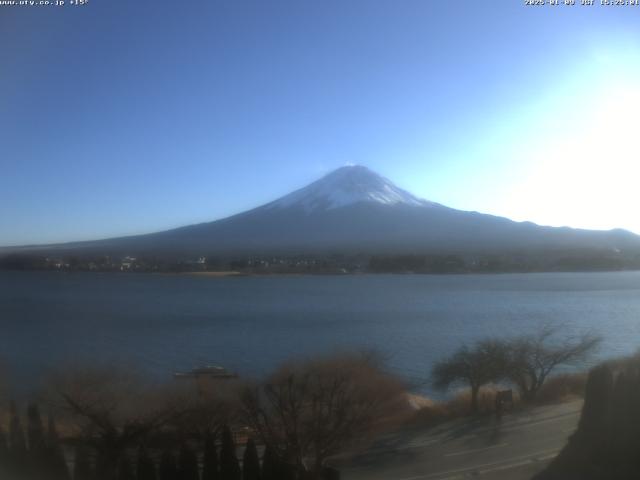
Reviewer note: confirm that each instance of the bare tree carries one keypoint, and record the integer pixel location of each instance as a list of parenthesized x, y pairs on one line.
[(309, 411), (112, 411), (483, 363), (531, 358), (206, 411)]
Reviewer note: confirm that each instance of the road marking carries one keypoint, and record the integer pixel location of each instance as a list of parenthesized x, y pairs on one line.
[(465, 452)]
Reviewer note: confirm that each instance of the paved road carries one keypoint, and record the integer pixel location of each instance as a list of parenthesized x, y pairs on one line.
[(514, 448)]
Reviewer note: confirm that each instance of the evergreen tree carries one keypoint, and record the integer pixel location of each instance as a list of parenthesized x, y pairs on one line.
[(168, 469), (4, 454), (35, 434), (82, 465), (37, 457), (250, 462), (56, 463), (274, 467), (210, 470), (229, 466), (188, 464), (125, 470), (17, 443), (329, 473), (146, 469), (105, 466), (269, 465), (285, 470), (16, 434)]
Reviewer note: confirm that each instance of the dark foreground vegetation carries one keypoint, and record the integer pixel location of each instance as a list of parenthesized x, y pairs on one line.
[(606, 445), (106, 424), (110, 426)]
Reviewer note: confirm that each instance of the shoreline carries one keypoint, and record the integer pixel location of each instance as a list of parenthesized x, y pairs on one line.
[(235, 273), (229, 273)]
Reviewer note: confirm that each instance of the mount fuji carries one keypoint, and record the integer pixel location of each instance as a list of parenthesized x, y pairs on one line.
[(353, 210), (347, 186)]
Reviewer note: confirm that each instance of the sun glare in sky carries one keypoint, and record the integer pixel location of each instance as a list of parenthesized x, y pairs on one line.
[(579, 163)]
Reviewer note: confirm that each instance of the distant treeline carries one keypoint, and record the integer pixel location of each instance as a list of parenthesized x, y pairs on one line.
[(331, 264), (538, 261), (504, 263)]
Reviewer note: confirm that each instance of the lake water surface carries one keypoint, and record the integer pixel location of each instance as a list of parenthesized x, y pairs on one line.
[(164, 323)]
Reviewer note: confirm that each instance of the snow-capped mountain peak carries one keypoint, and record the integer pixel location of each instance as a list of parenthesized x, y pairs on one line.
[(346, 186)]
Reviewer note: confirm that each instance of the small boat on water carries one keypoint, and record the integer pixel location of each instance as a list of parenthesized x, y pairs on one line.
[(207, 371)]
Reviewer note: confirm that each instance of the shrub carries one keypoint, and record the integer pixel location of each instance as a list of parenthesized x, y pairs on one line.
[(562, 387)]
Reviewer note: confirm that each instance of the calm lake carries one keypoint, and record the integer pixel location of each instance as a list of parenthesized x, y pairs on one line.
[(164, 323)]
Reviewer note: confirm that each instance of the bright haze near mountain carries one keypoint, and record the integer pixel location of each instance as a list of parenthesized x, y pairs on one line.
[(124, 118), (353, 210)]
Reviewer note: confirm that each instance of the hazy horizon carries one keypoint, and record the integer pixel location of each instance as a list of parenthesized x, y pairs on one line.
[(287, 194), (121, 118)]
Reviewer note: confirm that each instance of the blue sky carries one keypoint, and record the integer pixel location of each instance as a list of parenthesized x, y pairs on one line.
[(124, 117)]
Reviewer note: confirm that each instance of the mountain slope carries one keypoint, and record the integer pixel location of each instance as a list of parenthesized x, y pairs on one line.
[(354, 210)]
